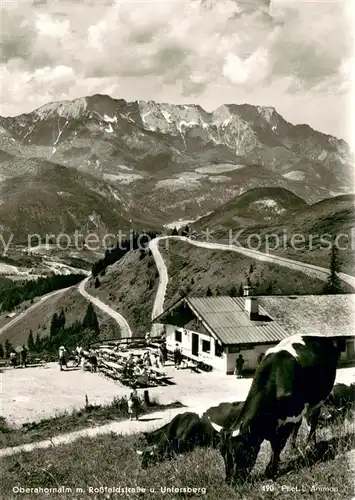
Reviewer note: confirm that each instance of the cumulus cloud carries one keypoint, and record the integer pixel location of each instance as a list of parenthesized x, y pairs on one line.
[(152, 48)]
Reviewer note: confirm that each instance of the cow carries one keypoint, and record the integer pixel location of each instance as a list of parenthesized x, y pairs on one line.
[(338, 405), (296, 374), (334, 410), (186, 431), (181, 434)]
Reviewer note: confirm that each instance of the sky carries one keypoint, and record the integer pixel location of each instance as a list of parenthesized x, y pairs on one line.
[(295, 55)]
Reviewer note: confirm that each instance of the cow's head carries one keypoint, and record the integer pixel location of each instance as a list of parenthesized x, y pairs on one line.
[(149, 455), (239, 452)]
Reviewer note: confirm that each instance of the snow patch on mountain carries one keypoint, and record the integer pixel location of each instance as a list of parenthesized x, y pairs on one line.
[(267, 112), (95, 219), (54, 149), (219, 178), (127, 117), (217, 169), (185, 180), (186, 124), (296, 175), (110, 119), (166, 116), (268, 203), (66, 109), (123, 178)]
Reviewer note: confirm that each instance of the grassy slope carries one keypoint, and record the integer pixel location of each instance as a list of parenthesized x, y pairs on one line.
[(222, 269), (130, 286), (38, 320), (88, 416), (329, 217), (110, 461)]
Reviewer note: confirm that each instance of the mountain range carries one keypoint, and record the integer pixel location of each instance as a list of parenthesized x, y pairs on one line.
[(102, 164)]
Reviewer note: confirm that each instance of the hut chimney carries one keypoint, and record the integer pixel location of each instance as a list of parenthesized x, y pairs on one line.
[(251, 305)]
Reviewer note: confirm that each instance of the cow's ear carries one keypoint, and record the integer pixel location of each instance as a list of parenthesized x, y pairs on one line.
[(235, 433), (216, 427)]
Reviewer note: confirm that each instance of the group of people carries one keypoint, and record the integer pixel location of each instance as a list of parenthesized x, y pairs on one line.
[(23, 357), (141, 365), (163, 352), (82, 357)]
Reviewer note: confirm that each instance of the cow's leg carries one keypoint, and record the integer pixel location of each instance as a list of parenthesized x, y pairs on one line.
[(277, 445), (224, 448), (295, 434), (228, 463), (314, 417)]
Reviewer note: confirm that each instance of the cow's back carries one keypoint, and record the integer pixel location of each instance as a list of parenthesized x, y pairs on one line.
[(225, 414), (181, 428)]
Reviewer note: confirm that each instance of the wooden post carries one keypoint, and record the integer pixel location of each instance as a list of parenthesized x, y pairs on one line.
[(146, 397)]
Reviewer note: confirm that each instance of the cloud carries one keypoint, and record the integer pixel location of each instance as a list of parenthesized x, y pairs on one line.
[(153, 48)]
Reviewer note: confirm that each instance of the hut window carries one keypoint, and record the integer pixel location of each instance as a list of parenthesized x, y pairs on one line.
[(178, 336), (218, 349), (206, 346)]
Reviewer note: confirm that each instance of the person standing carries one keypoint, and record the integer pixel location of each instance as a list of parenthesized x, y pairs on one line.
[(79, 352), (62, 357), (23, 356), (147, 360), (13, 358), (163, 354), (240, 365), (133, 405), (93, 360), (177, 356)]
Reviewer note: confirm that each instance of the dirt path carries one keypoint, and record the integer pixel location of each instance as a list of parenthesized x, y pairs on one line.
[(125, 427), (121, 321), (159, 299)]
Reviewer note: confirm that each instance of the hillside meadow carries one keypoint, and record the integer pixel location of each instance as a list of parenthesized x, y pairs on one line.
[(91, 468), (129, 286), (38, 320), (193, 270)]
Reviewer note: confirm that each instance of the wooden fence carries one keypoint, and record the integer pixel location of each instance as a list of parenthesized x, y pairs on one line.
[(113, 360)]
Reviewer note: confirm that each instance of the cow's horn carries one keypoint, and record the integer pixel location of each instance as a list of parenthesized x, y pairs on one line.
[(216, 427), (139, 452)]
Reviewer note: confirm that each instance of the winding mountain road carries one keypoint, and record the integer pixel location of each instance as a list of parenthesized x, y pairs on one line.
[(121, 321), (309, 269), (158, 306)]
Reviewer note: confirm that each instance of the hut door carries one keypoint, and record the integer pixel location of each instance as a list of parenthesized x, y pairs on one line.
[(350, 351), (194, 346)]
